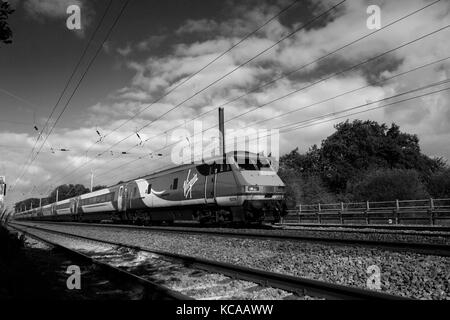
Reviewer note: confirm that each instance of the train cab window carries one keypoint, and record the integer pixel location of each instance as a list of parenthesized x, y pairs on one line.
[(225, 167), (149, 189), (175, 184), (252, 164)]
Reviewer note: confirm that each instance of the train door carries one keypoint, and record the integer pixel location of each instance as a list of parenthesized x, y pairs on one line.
[(74, 208), (120, 200), (129, 196), (210, 185), (125, 199)]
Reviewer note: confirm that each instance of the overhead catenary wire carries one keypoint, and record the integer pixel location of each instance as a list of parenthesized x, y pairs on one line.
[(349, 109), (301, 27), (301, 67), (371, 59), (335, 113), (329, 77), (247, 36), (312, 124), (304, 66), (84, 75), (69, 80)]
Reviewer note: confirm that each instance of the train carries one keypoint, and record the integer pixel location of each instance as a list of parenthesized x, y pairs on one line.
[(237, 187)]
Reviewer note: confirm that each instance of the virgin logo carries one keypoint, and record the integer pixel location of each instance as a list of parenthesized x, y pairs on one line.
[(188, 184)]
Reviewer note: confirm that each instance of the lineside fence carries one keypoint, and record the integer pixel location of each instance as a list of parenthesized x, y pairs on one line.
[(433, 212)]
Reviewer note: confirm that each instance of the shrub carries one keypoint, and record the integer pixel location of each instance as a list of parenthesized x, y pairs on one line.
[(439, 184), (388, 184), (304, 189)]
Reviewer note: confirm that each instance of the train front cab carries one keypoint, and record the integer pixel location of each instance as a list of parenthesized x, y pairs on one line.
[(261, 191)]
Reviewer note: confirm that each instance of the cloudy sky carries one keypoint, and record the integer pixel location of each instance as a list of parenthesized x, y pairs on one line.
[(157, 45)]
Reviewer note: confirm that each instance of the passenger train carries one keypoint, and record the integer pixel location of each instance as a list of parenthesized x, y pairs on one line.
[(243, 189)]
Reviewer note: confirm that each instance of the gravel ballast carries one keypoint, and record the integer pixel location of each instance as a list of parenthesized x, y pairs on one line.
[(402, 273)]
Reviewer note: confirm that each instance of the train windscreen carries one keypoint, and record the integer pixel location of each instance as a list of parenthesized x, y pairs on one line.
[(253, 164)]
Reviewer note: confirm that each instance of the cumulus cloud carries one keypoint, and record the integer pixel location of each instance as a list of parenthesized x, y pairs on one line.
[(124, 51), (41, 10), (49, 8), (194, 26)]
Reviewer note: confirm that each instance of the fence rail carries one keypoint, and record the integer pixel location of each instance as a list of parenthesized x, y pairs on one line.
[(424, 212)]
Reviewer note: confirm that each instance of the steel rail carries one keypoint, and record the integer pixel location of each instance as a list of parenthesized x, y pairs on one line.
[(152, 290), (438, 230), (417, 247), (289, 283)]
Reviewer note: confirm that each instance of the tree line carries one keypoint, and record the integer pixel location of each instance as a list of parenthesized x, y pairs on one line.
[(364, 161)]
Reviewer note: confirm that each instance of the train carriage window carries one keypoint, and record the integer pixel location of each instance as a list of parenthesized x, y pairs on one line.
[(175, 184)]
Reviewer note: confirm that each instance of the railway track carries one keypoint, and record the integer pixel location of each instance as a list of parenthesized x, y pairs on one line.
[(252, 280), (150, 290), (296, 235), (442, 230)]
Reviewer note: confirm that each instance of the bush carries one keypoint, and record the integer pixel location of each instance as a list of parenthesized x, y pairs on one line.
[(388, 184), (439, 184), (304, 189)]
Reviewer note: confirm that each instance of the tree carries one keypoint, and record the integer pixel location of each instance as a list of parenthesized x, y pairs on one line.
[(364, 145), (439, 184), (303, 184), (5, 31), (348, 155)]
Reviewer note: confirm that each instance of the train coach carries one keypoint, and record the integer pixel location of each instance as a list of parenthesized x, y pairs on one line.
[(243, 189)]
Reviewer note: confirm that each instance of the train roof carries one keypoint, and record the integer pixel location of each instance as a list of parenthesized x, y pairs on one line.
[(210, 160), (94, 194)]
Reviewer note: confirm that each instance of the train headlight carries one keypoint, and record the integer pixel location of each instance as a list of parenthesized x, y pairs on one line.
[(252, 188)]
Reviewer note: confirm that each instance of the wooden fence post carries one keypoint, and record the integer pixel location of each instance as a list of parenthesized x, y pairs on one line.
[(397, 211), (318, 215), (432, 211), (367, 212)]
